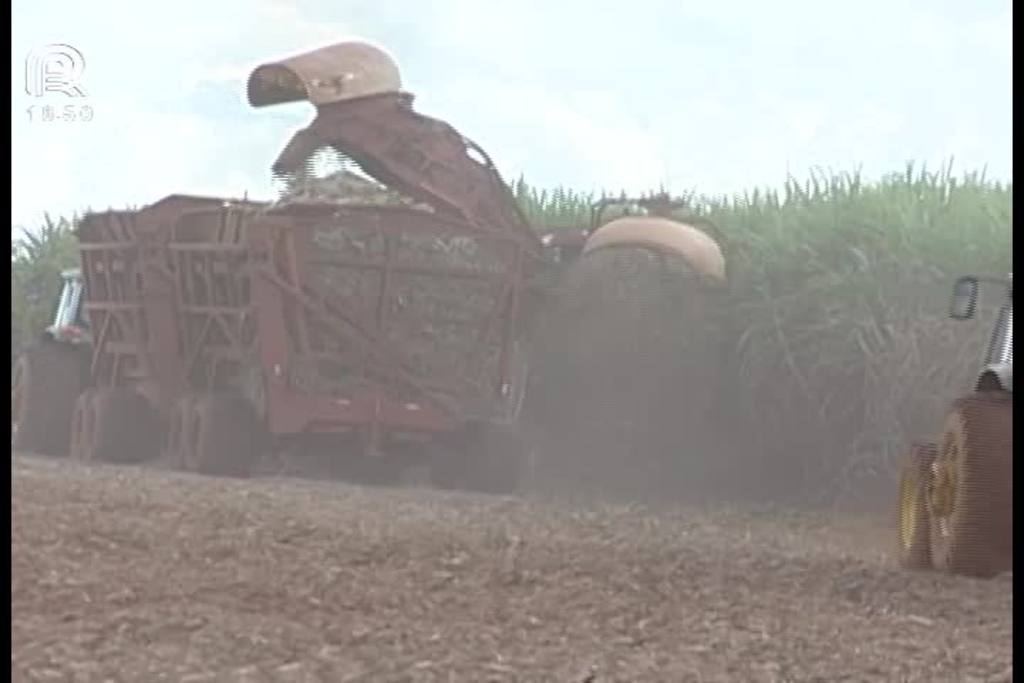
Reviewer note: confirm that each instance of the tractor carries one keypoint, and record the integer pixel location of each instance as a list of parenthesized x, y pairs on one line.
[(956, 495), (46, 379)]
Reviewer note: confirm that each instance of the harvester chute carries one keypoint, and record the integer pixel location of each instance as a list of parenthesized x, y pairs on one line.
[(339, 72)]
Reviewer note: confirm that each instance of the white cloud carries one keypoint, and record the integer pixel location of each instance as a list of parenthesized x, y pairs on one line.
[(590, 130)]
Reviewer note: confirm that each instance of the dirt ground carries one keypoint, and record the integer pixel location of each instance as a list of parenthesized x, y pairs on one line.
[(129, 574)]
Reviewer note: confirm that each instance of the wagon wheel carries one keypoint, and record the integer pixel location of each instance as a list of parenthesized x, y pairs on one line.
[(970, 492), (44, 385), (226, 437), (510, 441), (913, 523), (252, 385), (490, 456), (487, 456), (180, 432), (124, 428)]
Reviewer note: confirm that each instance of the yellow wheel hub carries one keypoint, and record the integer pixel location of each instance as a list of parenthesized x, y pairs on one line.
[(942, 490), (908, 511)]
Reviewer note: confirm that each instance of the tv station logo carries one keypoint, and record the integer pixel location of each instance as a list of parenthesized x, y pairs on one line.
[(56, 71)]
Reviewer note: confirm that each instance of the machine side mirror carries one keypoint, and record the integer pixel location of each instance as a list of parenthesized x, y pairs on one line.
[(965, 298)]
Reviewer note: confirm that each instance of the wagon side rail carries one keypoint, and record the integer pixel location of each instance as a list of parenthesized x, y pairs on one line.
[(248, 298), (129, 303)]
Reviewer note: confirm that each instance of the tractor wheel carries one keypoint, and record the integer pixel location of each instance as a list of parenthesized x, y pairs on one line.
[(970, 493), (45, 382), (226, 437), (181, 432), (83, 426), (376, 471), (521, 372), (487, 457), (913, 524), (502, 453), (124, 428)]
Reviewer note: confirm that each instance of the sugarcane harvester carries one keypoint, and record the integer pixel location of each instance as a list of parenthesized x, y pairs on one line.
[(222, 330), (956, 495)]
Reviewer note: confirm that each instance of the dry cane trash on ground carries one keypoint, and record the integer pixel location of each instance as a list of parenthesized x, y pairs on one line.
[(136, 574)]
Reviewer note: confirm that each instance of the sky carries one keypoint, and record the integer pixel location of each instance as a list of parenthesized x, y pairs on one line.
[(716, 97)]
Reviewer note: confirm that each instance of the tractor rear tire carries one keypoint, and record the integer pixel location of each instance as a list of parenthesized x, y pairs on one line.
[(913, 525), (125, 428), (226, 439), (971, 488), (46, 381), (488, 456)]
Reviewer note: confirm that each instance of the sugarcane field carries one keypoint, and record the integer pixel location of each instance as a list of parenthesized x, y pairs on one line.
[(412, 343)]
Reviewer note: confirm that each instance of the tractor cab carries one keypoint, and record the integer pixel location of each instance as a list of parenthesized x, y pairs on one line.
[(997, 370), (69, 320), (647, 222), (566, 246)]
